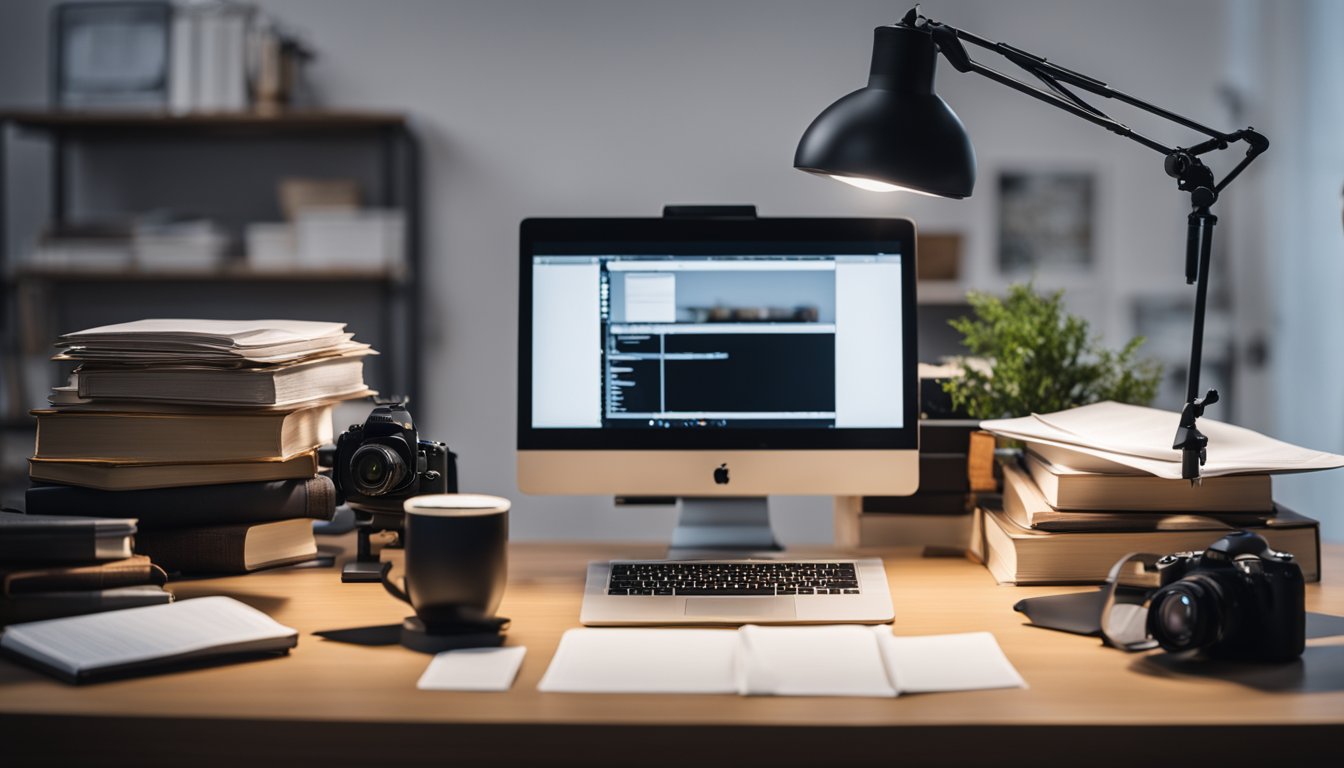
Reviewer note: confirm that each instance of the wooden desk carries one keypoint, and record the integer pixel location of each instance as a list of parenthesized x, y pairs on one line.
[(329, 703)]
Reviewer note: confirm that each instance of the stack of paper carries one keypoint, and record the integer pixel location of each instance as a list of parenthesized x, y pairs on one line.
[(1115, 438), (227, 343), (260, 363)]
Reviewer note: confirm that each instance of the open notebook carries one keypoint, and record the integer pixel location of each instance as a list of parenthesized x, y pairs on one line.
[(135, 640), (843, 660)]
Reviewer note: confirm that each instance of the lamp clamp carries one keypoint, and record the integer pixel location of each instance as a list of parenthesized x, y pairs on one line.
[(1189, 440)]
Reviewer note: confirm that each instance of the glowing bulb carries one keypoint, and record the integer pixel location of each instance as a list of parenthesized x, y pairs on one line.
[(873, 185)]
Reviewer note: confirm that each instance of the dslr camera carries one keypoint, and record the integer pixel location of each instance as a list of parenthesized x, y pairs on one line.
[(1238, 599), (382, 462)]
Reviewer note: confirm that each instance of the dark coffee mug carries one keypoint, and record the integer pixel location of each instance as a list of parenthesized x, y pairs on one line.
[(456, 560)]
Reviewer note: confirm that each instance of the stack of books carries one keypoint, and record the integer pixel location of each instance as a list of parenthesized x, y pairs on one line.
[(64, 566), (206, 431), (1096, 483)]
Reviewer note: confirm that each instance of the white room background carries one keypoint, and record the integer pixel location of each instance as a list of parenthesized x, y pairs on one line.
[(616, 107)]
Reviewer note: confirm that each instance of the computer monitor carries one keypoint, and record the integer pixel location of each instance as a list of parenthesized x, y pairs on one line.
[(712, 358)]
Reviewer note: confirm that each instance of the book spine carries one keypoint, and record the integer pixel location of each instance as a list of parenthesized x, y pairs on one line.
[(47, 549), (131, 572), (167, 508), (209, 74), (56, 605), (220, 549), (232, 54), (182, 71)]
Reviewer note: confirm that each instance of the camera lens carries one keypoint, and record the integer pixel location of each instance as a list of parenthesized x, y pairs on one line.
[(1178, 618), (1185, 615), (376, 469)]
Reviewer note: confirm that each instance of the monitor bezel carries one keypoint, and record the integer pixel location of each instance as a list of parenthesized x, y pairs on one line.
[(863, 232)]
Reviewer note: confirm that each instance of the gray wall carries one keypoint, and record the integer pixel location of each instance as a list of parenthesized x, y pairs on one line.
[(615, 108)]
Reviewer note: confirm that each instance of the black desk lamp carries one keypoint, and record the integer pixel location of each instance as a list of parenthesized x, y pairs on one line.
[(897, 134)]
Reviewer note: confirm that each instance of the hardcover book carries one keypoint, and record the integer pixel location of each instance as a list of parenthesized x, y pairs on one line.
[(130, 476), (129, 572), (64, 539), (1027, 506), (1067, 488), (230, 548), (41, 606), (181, 435), (1019, 555), (193, 506)]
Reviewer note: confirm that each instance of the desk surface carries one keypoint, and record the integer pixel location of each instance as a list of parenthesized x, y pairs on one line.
[(351, 703)]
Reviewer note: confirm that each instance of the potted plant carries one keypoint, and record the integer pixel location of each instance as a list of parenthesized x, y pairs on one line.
[(1028, 355)]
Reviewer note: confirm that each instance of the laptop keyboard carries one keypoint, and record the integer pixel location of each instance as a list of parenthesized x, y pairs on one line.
[(733, 578)]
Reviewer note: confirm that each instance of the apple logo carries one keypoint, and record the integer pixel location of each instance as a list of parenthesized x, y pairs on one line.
[(721, 474)]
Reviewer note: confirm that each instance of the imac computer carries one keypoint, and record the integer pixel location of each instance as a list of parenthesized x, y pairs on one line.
[(717, 361)]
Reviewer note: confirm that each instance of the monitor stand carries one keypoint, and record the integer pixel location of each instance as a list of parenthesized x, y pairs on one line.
[(723, 527)]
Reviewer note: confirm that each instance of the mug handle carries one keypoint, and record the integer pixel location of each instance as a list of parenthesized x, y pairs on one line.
[(393, 589)]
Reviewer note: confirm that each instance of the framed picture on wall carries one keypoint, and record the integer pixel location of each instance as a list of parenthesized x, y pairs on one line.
[(1046, 222)]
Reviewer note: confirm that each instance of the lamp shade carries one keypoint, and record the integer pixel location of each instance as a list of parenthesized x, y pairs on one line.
[(896, 133)]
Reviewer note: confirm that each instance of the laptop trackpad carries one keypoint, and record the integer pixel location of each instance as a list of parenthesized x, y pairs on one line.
[(741, 608)]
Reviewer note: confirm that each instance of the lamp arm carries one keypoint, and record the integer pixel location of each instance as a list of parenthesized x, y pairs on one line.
[(950, 39)]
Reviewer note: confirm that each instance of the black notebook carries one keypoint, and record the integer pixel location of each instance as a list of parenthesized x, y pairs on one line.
[(63, 539)]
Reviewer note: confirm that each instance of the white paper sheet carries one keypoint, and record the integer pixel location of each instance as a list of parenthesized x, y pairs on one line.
[(473, 669), (643, 661), (1140, 438), (242, 333), (841, 660), (964, 662)]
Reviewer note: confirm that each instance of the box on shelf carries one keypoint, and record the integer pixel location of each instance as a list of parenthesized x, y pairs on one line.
[(179, 245), (299, 194), (367, 239), (100, 245), (271, 246)]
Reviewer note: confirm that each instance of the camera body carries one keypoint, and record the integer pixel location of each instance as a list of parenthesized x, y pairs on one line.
[(382, 462), (1238, 599)]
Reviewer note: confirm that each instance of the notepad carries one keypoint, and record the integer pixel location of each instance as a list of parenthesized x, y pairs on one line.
[(118, 643), (848, 660), (473, 669)]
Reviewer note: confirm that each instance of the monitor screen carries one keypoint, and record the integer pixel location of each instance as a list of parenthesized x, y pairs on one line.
[(686, 334)]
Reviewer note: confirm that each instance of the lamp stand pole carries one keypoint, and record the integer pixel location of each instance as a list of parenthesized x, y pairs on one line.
[(1189, 440)]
